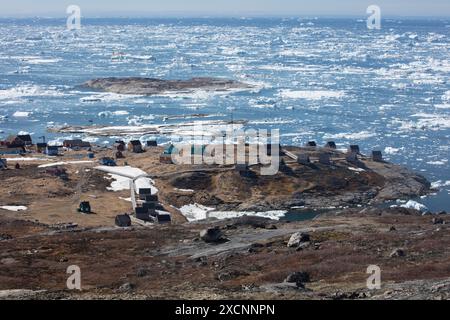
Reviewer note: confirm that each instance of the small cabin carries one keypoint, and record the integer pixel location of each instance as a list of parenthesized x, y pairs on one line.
[(85, 207), (151, 198), (123, 220), (135, 146), (41, 146), (119, 145), (354, 149), (150, 207), (311, 144), (144, 192), (26, 138), (331, 145), (52, 150), (324, 158), (152, 143), (76, 144), (303, 158), (163, 218), (142, 213), (377, 156)]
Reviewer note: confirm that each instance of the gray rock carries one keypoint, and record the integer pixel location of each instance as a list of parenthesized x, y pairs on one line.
[(142, 272), (397, 253), (438, 221), (211, 235), (298, 277), (303, 246), (126, 287), (298, 238)]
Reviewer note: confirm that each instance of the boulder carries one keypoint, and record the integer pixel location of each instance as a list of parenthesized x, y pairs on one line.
[(298, 277), (211, 235), (303, 246), (438, 221), (126, 287), (397, 253), (298, 238)]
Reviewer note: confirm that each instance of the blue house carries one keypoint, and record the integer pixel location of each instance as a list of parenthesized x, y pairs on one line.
[(52, 150)]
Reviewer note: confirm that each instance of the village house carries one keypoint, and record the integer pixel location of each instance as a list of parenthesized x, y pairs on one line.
[(135, 146), (330, 145), (41, 146), (144, 192), (163, 218), (123, 220), (377, 156), (354, 149), (142, 213), (76, 144), (52, 150), (119, 145), (26, 138), (312, 144), (152, 143)]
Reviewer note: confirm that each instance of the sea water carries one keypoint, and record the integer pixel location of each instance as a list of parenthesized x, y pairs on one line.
[(315, 79)]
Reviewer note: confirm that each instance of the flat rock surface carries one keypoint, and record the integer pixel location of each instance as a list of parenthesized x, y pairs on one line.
[(148, 86)]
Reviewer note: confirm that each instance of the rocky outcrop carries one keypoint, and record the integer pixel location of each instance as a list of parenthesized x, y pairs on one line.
[(149, 86)]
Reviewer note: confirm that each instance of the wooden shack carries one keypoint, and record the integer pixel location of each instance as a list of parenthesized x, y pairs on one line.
[(377, 156), (330, 145), (135, 146)]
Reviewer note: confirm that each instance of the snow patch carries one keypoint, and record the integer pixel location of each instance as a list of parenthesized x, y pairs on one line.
[(14, 208), (411, 204)]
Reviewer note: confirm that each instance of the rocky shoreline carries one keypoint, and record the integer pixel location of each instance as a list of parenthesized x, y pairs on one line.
[(149, 86)]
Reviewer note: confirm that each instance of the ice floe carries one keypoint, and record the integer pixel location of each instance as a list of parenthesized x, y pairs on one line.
[(311, 95)]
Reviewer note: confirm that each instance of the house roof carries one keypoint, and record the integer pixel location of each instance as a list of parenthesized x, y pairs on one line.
[(25, 137), (13, 138), (77, 143)]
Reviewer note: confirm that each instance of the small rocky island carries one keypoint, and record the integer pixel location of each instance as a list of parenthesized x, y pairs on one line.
[(150, 86)]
